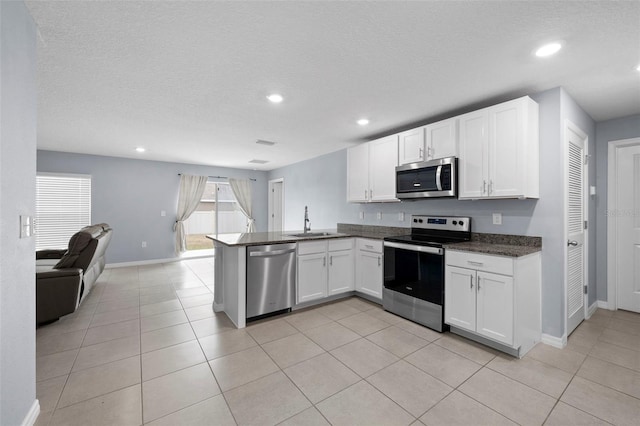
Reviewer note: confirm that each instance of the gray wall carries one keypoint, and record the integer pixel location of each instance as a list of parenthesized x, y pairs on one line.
[(320, 183), (607, 131), (129, 194), (17, 197)]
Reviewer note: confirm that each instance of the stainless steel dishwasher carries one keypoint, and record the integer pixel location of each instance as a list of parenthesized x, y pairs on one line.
[(271, 279)]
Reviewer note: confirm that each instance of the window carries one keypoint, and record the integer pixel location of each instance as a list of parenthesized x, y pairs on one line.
[(63, 206), (217, 213)]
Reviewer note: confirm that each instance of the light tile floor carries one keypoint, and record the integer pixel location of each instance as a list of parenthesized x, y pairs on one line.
[(146, 348)]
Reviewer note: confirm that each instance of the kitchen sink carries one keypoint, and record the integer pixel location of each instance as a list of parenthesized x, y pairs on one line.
[(311, 234)]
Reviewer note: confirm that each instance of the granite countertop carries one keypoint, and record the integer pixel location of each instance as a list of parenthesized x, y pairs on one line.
[(343, 231), (260, 238), (499, 245), (495, 244)]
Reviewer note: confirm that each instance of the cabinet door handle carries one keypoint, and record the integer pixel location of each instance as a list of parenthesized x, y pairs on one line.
[(471, 262), (378, 260), (484, 186), (365, 194), (324, 261), (371, 194), (490, 186), (330, 260), (471, 282), (478, 283), (429, 152), (420, 151)]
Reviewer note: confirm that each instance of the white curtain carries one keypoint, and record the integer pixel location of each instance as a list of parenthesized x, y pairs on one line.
[(242, 190), (191, 190)]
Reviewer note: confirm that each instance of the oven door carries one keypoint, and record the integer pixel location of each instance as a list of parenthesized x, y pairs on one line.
[(414, 270)]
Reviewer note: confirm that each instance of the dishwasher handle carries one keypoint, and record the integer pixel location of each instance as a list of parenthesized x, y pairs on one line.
[(271, 253)]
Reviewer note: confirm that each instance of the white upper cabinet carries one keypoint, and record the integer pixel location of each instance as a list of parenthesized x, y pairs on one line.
[(358, 173), (437, 140), (411, 146), (442, 139), (383, 159), (499, 151), (371, 171)]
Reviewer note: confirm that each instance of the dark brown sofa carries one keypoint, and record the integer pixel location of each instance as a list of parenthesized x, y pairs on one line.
[(64, 278)]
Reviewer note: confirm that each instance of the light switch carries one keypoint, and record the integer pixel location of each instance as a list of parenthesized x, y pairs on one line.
[(26, 226), (401, 216), (163, 213), (592, 190)]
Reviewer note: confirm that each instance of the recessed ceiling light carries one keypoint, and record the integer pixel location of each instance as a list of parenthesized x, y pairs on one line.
[(140, 149), (275, 98), (256, 161), (363, 122), (263, 142), (548, 49)]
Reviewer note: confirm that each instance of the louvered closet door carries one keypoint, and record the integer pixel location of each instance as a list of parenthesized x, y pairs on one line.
[(575, 229)]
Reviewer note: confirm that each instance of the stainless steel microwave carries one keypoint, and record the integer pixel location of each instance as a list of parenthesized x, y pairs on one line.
[(427, 179)]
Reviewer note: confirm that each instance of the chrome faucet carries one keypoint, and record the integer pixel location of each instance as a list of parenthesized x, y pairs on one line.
[(307, 226)]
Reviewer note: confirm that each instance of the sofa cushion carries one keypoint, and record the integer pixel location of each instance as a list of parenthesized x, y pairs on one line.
[(78, 242)]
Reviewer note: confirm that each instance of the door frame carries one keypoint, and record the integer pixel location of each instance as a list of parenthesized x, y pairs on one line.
[(570, 126), (271, 184), (612, 219)]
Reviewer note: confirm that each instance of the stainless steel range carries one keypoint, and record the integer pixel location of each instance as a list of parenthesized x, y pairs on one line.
[(414, 268)]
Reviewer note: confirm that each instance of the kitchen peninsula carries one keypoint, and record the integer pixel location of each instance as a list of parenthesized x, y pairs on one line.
[(231, 266)]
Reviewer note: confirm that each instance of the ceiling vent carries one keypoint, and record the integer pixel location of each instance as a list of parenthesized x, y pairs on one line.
[(259, 161), (268, 143)]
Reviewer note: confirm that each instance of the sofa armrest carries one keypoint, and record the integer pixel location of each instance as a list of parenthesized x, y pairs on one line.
[(57, 293), (50, 254), (58, 273)]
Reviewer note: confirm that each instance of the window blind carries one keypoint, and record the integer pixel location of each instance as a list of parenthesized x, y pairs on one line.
[(63, 206)]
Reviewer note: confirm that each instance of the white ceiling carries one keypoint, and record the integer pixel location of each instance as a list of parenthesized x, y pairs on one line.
[(188, 80)]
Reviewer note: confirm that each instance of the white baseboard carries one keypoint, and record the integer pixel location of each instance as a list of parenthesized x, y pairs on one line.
[(156, 261), (141, 262), (603, 304), (556, 342), (592, 309), (32, 415)]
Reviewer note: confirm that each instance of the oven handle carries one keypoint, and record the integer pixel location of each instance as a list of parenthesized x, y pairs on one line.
[(413, 247)]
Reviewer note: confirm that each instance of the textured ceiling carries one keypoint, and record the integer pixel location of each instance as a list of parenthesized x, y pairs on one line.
[(188, 80)]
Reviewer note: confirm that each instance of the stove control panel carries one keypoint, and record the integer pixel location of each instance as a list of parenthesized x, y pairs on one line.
[(445, 223)]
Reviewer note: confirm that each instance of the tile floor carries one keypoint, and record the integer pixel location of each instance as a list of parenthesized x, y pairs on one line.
[(146, 348)]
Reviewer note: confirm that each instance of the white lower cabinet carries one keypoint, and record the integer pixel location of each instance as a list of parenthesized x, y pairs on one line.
[(325, 268), (494, 297), (369, 267), (341, 271)]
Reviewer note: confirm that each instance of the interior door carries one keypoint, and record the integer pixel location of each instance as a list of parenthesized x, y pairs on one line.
[(276, 203), (575, 199), (628, 228)]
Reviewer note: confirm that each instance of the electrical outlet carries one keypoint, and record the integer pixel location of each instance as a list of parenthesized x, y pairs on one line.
[(163, 213), (497, 218), (379, 215), (401, 216), (361, 215), (144, 244)]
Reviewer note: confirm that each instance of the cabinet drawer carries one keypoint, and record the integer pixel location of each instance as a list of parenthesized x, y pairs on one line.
[(341, 244), (312, 247), (480, 262), (370, 245)]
